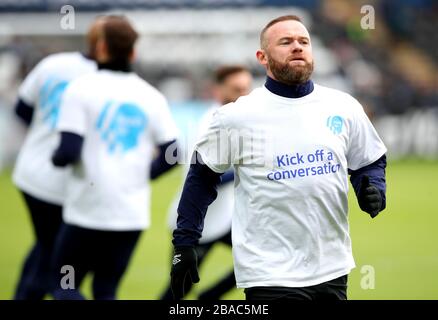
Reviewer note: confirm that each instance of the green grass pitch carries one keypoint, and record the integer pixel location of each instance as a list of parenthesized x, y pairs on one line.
[(401, 244)]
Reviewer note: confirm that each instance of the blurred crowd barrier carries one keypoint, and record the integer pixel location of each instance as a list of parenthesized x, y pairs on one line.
[(413, 134)]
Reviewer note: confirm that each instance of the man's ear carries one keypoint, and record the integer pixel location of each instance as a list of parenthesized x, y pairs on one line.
[(216, 92), (261, 57), (101, 51), (132, 55)]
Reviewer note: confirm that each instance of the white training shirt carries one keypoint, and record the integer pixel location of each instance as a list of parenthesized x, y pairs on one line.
[(217, 222), (290, 225), (42, 89), (122, 118)]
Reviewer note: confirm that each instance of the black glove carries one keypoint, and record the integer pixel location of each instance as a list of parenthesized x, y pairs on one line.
[(369, 197), (184, 269)]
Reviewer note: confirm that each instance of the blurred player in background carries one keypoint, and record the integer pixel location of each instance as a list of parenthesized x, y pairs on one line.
[(41, 184), (290, 225), (231, 82), (110, 122)]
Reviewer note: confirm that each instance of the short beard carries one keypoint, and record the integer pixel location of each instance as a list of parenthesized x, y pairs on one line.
[(227, 101), (290, 75)]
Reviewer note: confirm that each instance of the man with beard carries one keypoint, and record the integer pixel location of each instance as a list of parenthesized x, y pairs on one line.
[(292, 144)]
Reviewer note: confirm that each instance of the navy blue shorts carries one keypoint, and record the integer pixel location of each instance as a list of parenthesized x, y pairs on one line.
[(335, 289)]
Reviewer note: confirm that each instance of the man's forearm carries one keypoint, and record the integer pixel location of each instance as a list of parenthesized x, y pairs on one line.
[(199, 191), (160, 165), (24, 112), (69, 149), (376, 174)]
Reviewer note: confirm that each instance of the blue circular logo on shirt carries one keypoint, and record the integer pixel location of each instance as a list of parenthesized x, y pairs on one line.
[(335, 124)]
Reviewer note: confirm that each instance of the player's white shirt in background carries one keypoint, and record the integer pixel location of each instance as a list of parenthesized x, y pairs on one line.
[(122, 118), (290, 224), (217, 221), (42, 89)]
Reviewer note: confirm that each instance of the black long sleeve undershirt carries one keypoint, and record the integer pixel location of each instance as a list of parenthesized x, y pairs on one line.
[(69, 149), (160, 164), (199, 191), (376, 173), (24, 112)]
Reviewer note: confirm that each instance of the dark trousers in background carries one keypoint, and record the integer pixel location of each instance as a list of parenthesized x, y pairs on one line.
[(106, 254), (35, 275), (335, 289), (223, 286)]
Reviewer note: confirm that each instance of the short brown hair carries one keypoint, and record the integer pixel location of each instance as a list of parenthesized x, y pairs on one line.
[(272, 22), (223, 72), (120, 37)]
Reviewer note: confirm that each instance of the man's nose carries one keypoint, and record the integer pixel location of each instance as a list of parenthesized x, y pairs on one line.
[(296, 47)]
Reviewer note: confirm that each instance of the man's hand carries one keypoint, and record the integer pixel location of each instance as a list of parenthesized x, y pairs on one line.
[(369, 197), (184, 269)]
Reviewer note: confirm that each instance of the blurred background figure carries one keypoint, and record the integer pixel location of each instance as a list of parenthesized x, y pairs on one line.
[(230, 83), (109, 123), (41, 184)]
